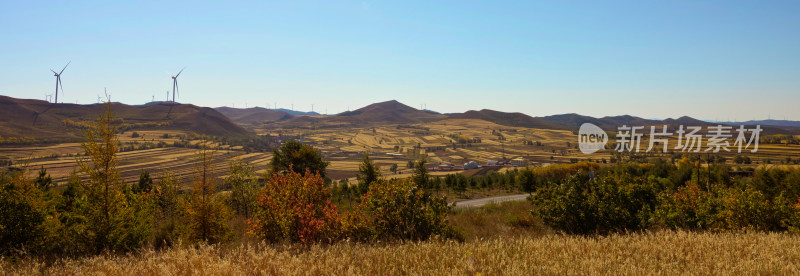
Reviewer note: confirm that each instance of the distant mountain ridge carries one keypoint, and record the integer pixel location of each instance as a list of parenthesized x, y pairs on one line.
[(777, 123), (254, 115), (611, 123), (394, 112), (41, 119), (296, 112), (515, 119)]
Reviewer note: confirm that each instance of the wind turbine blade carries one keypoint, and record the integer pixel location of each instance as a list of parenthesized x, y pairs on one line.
[(177, 89), (65, 67), (179, 73), (54, 72)]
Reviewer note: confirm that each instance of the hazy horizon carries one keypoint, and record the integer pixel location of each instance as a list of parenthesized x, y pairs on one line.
[(726, 61)]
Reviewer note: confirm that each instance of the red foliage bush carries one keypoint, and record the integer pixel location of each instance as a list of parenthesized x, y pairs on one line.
[(296, 208)]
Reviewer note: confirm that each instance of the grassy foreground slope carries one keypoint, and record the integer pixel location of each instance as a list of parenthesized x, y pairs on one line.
[(662, 252)]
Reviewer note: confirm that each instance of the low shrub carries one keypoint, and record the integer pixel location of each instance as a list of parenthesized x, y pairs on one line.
[(583, 205), (296, 207), (398, 209)]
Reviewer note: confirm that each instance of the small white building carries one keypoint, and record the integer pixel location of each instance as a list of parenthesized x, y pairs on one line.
[(471, 165)]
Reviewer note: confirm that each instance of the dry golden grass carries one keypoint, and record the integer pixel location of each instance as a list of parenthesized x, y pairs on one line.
[(664, 253), (495, 220)]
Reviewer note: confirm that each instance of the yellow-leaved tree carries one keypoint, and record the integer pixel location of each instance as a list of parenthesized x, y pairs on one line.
[(206, 215), (116, 220)]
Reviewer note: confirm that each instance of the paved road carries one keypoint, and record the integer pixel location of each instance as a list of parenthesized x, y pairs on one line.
[(483, 201)]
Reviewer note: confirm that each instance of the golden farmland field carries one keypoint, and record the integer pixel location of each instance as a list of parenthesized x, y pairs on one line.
[(389, 144), (60, 159)]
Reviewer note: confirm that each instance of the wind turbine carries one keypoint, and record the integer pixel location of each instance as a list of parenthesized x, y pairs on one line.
[(58, 80), (175, 84)]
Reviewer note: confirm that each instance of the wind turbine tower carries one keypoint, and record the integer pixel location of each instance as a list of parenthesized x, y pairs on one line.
[(175, 84), (58, 80)]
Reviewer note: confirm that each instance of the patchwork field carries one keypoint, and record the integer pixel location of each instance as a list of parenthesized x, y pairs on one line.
[(60, 160), (483, 141), (451, 141)]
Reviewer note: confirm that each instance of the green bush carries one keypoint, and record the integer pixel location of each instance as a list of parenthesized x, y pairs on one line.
[(604, 204), (688, 207), (20, 222), (751, 209), (398, 209)]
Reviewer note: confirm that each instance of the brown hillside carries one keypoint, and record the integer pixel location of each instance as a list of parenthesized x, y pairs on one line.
[(43, 120), (253, 116), (389, 112), (515, 119)]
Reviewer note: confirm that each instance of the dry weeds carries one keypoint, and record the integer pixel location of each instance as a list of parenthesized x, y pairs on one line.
[(665, 252)]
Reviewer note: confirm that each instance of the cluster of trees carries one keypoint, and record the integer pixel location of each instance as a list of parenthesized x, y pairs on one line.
[(660, 194), (742, 159), (779, 139), (262, 143), (461, 139), (17, 140), (119, 123)]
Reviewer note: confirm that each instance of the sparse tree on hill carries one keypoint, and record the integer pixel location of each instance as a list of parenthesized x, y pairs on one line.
[(526, 180), (421, 176), (114, 220), (244, 187), (206, 215), (368, 173), (44, 181), (145, 184), (167, 212), (298, 157)]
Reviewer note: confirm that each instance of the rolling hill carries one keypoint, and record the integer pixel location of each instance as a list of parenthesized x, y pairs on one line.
[(388, 112), (46, 121), (515, 119), (296, 112), (253, 116)]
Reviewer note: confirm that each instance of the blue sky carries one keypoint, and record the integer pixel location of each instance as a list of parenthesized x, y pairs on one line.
[(725, 60)]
